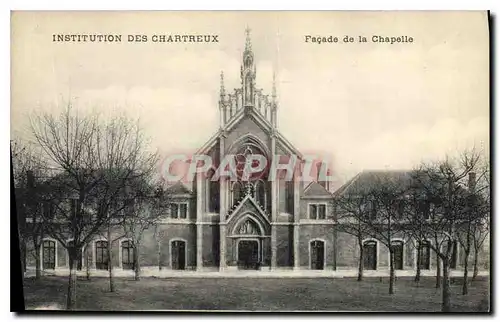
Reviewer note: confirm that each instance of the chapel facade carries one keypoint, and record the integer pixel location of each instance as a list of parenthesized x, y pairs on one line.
[(248, 223)]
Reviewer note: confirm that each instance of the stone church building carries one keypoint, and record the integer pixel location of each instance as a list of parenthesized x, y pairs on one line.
[(257, 224)]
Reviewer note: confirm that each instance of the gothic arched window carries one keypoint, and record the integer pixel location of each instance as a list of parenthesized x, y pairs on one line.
[(236, 192), (261, 193), (289, 197), (212, 195)]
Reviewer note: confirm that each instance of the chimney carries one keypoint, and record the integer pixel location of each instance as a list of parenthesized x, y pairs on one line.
[(30, 178), (472, 182), (322, 181)]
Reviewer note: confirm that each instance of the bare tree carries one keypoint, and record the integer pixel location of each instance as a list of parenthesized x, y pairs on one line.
[(387, 201), (472, 217), (95, 159), (111, 233), (482, 208), (113, 224), (371, 207), (144, 210), (158, 234), (350, 210), (481, 230), (28, 169), (443, 185), (418, 268)]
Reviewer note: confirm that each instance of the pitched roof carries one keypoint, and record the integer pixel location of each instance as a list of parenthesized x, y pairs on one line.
[(261, 121), (248, 201), (314, 189), (178, 188), (370, 178)]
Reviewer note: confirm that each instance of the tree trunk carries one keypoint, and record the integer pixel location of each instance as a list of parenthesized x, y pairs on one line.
[(476, 268), (38, 264), (110, 264), (88, 263), (159, 256), (22, 250), (137, 266), (361, 259), (446, 304), (392, 273), (465, 289), (418, 273), (438, 271), (71, 296)]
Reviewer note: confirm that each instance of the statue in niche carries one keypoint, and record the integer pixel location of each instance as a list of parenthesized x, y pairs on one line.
[(248, 228)]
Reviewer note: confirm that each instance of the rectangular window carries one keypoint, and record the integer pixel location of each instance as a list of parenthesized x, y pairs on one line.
[(179, 210), (101, 249), (49, 254), (313, 211), (183, 210), (127, 255), (321, 212), (424, 255), (317, 211), (174, 211), (48, 210)]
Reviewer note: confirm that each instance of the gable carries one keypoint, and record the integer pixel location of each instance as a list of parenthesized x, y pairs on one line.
[(209, 144), (247, 122), (314, 189), (281, 150), (287, 146), (368, 179), (178, 188), (247, 204), (213, 152), (245, 126), (248, 208)]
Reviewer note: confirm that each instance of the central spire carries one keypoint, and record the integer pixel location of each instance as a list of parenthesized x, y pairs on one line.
[(248, 43), (248, 72), (247, 97)]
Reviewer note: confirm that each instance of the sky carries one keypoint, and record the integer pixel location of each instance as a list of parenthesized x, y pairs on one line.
[(363, 105)]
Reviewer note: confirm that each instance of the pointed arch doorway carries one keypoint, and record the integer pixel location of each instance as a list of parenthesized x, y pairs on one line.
[(248, 253), (247, 233)]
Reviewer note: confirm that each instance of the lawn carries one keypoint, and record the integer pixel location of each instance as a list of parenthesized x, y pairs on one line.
[(257, 294)]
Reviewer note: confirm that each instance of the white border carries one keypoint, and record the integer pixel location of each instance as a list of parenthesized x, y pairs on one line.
[(218, 5)]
